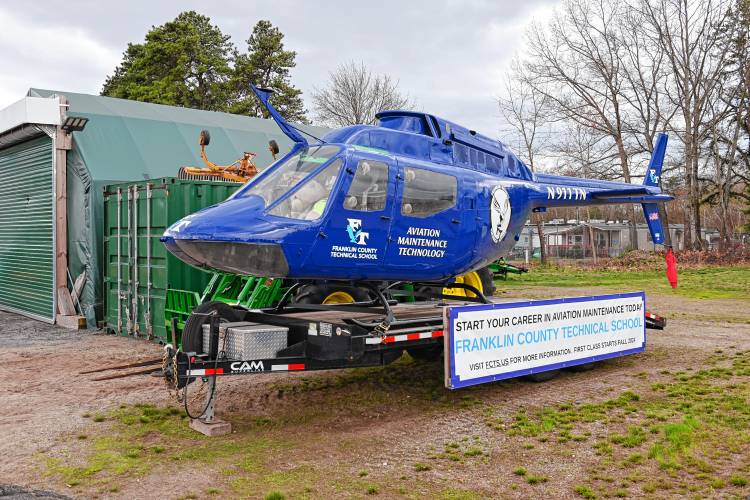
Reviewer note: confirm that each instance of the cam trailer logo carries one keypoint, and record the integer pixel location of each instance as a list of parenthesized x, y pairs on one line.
[(354, 230), (247, 366)]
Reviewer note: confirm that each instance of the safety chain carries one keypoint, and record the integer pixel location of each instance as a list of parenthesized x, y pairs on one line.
[(171, 386)]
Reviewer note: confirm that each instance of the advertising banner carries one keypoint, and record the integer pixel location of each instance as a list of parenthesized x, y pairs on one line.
[(491, 342)]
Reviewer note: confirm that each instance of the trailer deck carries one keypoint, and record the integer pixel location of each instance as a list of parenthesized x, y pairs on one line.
[(306, 337), (342, 336)]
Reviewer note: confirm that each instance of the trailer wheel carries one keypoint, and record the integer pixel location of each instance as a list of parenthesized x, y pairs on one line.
[(430, 353), (192, 334), (583, 367), (330, 294), (488, 281), (542, 376)]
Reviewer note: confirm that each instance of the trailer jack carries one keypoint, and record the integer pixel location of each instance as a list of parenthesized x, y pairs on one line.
[(176, 374)]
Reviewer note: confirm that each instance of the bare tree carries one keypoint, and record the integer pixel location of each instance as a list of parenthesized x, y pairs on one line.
[(526, 112), (730, 138), (585, 149), (688, 33), (355, 95), (647, 78), (647, 83), (576, 61)]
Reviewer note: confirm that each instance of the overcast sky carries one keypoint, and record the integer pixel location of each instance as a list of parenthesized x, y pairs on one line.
[(449, 55)]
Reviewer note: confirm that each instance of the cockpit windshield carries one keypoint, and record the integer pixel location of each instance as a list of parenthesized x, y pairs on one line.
[(309, 201), (290, 173)]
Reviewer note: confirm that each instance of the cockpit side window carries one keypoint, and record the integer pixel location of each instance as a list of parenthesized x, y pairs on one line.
[(369, 187), (427, 193), (286, 176), (309, 201)]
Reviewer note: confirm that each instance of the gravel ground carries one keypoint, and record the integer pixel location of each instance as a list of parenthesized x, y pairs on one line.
[(8, 492), (348, 424)]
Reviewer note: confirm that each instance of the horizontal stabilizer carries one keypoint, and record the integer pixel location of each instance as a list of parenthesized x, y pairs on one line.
[(653, 219), (619, 193)]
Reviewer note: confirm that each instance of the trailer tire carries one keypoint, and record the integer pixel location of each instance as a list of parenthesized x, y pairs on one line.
[(584, 367), (488, 281), (330, 293), (192, 334), (542, 376), (429, 353)]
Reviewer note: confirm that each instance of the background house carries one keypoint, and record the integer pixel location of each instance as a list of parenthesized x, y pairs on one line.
[(572, 239)]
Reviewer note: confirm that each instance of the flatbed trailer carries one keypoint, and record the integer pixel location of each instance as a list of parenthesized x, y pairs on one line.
[(323, 337)]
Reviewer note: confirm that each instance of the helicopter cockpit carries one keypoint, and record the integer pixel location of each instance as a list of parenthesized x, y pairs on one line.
[(298, 188)]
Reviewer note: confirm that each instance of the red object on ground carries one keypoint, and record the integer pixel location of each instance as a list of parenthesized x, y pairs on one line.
[(671, 268)]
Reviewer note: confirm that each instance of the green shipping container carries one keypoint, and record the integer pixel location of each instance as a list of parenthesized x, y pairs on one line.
[(138, 269)]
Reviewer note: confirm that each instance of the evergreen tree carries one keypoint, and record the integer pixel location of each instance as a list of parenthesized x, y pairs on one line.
[(184, 62), (266, 64)]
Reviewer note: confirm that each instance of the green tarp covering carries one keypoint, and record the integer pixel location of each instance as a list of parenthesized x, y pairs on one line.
[(132, 141)]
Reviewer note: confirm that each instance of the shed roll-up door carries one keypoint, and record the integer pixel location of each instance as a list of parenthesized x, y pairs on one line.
[(27, 228)]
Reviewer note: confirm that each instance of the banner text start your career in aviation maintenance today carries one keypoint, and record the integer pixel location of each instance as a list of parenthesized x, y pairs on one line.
[(513, 337)]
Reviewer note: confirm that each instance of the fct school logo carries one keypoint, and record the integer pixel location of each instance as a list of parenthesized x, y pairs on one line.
[(653, 177), (354, 230)]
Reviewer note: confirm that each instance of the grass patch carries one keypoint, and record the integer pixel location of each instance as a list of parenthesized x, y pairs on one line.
[(674, 447), (736, 480), (635, 458), (706, 283), (533, 479), (520, 471), (584, 491), (688, 427), (718, 483), (473, 451), (634, 437), (135, 440), (456, 494), (420, 467)]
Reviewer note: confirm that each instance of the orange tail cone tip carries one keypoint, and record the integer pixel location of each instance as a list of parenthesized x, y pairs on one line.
[(671, 261)]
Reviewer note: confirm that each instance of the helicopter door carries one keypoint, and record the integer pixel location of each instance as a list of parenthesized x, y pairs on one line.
[(433, 224), (358, 223)]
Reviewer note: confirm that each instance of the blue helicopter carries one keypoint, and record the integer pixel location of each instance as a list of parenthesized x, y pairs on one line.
[(414, 198)]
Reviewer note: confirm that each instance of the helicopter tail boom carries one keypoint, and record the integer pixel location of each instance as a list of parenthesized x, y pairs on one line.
[(573, 191)]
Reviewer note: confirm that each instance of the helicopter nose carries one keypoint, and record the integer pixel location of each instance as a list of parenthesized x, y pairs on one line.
[(225, 237), (258, 259)]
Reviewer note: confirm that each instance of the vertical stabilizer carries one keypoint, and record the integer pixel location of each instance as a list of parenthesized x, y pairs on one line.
[(653, 179), (653, 219), (653, 174)]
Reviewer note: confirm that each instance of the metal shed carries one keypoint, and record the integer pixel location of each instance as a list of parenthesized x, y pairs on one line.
[(51, 180), (27, 207)]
